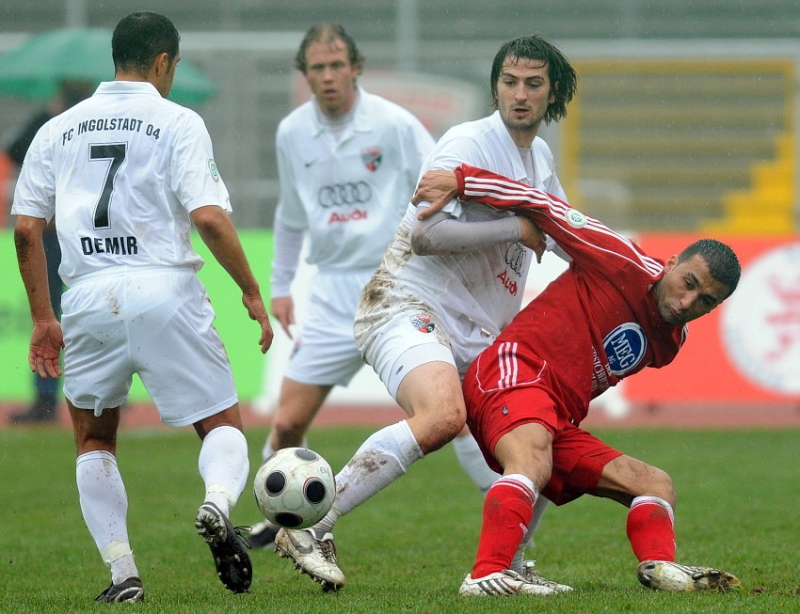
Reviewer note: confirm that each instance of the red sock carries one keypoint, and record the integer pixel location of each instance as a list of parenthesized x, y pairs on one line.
[(507, 511), (651, 529)]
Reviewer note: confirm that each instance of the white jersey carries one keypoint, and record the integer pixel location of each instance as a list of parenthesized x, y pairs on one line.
[(471, 296), (127, 167), (349, 194)]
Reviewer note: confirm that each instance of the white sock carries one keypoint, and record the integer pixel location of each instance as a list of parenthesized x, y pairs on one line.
[(224, 466), (104, 504), (473, 463), (381, 459), (539, 508)]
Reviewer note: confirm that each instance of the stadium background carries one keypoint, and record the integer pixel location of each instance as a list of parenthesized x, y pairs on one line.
[(685, 124)]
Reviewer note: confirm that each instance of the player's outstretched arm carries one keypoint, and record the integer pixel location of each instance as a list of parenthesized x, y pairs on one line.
[(218, 233), (580, 236), (435, 233)]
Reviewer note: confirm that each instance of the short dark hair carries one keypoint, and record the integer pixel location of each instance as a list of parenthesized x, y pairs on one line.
[(563, 78), (140, 38), (722, 262), (327, 33)]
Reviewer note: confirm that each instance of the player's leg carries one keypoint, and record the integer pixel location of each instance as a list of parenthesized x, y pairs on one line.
[(224, 466), (431, 395), (182, 363), (298, 404), (324, 355), (471, 459), (103, 500), (648, 493), (97, 380), (524, 453)]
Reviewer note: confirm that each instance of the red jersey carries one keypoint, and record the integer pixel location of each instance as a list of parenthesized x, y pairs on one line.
[(593, 325)]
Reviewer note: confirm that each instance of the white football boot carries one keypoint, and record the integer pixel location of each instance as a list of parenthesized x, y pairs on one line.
[(501, 584), (531, 575), (312, 554), (668, 576)]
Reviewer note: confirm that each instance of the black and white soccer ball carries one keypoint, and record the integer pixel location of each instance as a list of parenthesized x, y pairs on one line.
[(294, 488)]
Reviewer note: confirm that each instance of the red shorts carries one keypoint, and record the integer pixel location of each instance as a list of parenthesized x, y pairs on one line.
[(578, 456)]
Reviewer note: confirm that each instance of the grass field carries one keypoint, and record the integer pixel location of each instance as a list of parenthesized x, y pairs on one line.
[(408, 549)]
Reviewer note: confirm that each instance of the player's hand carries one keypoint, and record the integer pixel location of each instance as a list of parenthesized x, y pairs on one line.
[(47, 341), (530, 235), (258, 312), (282, 309), (437, 188)]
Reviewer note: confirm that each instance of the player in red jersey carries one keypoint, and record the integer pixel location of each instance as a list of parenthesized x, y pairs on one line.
[(614, 312)]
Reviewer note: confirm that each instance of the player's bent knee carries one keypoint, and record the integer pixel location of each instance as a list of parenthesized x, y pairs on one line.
[(661, 486), (440, 430)]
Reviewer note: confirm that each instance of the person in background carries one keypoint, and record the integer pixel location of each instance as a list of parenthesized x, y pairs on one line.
[(348, 162), (126, 173), (44, 406)]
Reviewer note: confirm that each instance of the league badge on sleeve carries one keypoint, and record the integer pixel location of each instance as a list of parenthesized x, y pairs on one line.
[(212, 167), (575, 218)]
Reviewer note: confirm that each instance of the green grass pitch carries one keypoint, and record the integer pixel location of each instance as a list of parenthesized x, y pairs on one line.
[(408, 549)]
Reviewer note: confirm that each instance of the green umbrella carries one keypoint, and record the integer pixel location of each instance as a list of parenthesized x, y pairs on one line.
[(34, 69)]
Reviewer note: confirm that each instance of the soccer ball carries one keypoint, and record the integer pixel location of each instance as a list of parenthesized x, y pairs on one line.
[(294, 488)]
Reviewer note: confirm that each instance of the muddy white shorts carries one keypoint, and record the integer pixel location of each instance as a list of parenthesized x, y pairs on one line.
[(406, 340), (156, 322)]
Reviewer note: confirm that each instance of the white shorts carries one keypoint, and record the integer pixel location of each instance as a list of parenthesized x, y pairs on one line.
[(406, 341), (156, 322), (400, 337), (324, 352)]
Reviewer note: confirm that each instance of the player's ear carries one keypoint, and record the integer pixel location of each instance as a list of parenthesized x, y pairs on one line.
[(162, 63), (671, 262)]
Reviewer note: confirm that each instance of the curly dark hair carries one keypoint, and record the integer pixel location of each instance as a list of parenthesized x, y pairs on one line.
[(563, 77)]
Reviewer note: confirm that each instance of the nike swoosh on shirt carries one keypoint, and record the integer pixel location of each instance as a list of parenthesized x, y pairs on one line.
[(309, 163)]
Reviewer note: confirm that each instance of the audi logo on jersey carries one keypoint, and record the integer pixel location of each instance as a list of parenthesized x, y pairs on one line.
[(344, 194)]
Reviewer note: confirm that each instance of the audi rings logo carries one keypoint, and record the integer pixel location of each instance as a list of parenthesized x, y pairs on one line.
[(515, 257), (344, 194)]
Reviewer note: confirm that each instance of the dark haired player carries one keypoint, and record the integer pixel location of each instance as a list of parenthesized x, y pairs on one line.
[(614, 312), (126, 174)]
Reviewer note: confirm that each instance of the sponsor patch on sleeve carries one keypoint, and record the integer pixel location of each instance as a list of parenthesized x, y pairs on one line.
[(212, 167), (575, 218)]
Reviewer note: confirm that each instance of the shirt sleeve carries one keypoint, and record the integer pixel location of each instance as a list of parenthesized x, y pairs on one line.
[(287, 244), (195, 179), (586, 240), (290, 210), (34, 194), (443, 234)]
